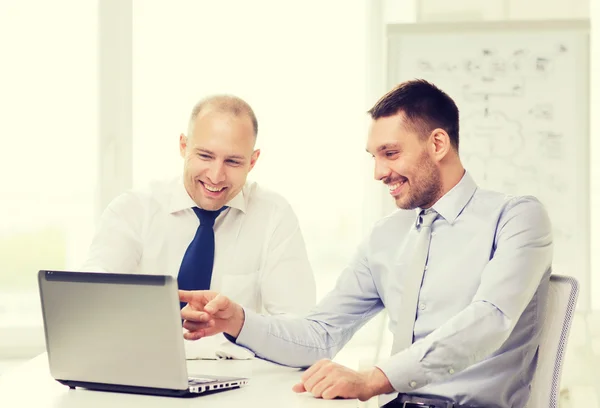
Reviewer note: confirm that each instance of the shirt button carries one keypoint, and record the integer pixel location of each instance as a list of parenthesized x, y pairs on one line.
[(413, 384), (422, 306), (451, 370), (433, 234)]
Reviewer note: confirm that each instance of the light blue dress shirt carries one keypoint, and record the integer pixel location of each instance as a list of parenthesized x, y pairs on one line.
[(480, 307)]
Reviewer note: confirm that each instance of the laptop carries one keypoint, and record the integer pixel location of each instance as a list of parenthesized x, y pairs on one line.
[(119, 332)]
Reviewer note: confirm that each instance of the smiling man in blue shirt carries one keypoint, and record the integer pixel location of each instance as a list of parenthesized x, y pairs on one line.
[(466, 313)]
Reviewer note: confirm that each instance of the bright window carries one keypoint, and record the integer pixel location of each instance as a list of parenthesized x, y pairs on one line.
[(48, 101)]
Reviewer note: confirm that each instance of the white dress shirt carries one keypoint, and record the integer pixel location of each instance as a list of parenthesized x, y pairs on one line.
[(260, 255)]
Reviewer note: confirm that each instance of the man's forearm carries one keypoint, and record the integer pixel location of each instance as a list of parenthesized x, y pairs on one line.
[(291, 341)]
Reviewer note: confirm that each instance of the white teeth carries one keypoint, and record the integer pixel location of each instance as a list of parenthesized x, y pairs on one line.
[(394, 186), (213, 189)]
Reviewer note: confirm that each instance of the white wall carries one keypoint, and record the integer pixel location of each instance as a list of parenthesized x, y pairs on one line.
[(476, 10)]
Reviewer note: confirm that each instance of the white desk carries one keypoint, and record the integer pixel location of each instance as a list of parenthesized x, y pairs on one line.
[(30, 385)]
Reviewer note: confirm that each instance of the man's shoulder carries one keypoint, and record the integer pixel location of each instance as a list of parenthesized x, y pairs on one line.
[(485, 204), (260, 197), (489, 201), (156, 193), (160, 189), (523, 212), (528, 209)]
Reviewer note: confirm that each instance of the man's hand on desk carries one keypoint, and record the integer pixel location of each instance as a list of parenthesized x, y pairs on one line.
[(208, 313), (326, 379)]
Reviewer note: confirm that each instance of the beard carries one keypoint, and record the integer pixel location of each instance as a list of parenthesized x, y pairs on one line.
[(425, 189)]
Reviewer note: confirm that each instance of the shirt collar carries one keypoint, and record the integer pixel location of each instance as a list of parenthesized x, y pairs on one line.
[(454, 201), (181, 200)]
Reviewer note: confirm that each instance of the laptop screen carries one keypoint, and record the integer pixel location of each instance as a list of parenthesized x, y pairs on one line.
[(113, 328)]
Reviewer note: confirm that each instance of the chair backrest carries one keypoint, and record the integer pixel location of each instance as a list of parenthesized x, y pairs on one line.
[(562, 298)]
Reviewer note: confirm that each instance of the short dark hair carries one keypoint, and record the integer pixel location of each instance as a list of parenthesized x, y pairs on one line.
[(425, 106)]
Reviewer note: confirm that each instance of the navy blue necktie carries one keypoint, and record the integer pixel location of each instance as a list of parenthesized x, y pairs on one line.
[(196, 267)]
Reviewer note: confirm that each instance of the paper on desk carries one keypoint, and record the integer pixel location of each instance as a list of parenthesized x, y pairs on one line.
[(215, 348)]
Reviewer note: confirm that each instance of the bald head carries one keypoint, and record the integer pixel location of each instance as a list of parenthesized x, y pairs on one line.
[(229, 104)]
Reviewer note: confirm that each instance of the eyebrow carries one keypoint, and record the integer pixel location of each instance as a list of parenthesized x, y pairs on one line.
[(235, 156), (386, 146)]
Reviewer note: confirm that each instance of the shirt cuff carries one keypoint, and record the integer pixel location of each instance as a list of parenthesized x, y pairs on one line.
[(255, 331), (404, 371)]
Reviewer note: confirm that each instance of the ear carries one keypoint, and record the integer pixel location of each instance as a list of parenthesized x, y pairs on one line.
[(182, 144), (254, 158), (440, 144)]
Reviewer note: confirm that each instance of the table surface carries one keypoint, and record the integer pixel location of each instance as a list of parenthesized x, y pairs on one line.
[(270, 385)]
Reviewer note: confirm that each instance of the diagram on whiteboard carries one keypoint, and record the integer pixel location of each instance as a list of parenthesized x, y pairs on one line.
[(500, 125), (523, 127)]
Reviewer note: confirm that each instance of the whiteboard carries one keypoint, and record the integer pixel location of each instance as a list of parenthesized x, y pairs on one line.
[(522, 90)]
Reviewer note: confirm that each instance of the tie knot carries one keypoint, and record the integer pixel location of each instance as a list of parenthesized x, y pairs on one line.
[(207, 217), (426, 218)]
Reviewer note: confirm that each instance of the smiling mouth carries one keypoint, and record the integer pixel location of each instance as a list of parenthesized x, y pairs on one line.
[(212, 189), (395, 188)]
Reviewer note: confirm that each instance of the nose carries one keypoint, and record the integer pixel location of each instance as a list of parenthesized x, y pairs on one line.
[(381, 170), (216, 172)]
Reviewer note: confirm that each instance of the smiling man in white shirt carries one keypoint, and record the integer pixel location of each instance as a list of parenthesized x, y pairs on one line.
[(260, 258)]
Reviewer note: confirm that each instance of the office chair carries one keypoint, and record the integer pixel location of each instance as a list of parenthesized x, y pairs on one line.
[(562, 298)]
